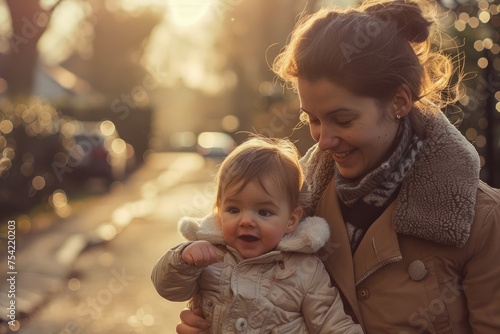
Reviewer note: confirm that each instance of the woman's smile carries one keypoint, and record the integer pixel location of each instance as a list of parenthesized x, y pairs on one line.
[(342, 155)]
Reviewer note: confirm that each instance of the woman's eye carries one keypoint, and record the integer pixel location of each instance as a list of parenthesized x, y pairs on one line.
[(344, 122), (314, 121)]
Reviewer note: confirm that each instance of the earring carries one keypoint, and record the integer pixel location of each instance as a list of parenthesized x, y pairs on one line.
[(398, 117)]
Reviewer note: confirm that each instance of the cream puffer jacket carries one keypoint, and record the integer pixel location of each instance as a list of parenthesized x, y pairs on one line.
[(431, 262), (284, 291)]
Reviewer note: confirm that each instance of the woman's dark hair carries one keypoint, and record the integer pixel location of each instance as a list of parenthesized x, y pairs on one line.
[(372, 50)]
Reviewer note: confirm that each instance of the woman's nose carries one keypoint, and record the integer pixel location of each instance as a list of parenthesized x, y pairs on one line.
[(327, 140)]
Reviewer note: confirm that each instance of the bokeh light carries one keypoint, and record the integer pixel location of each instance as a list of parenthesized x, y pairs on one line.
[(107, 128), (74, 284), (477, 25), (230, 123), (38, 182)]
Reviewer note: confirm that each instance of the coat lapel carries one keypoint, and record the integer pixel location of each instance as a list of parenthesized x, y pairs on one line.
[(378, 247), (336, 254)]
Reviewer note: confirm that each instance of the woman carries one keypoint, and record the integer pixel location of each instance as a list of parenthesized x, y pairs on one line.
[(414, 245)]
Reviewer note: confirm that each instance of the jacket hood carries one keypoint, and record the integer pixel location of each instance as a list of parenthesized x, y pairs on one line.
[(311, 233), (438, 195)]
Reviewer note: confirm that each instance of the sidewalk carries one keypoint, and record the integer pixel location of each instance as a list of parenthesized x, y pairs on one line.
[(44, 261)]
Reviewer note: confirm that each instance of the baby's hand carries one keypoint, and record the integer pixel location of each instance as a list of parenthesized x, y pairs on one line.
[(200, 254)]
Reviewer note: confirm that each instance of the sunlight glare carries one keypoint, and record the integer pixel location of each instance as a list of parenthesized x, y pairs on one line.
[(5, 27), (185, 13), (135, 5), (61, 38), (46, 4), (5, 20)]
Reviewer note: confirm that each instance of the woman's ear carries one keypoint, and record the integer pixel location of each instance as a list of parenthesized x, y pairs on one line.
[(294, 219), (402, 101)]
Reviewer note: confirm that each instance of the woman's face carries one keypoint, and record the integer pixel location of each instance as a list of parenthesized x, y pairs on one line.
[(354, 130)]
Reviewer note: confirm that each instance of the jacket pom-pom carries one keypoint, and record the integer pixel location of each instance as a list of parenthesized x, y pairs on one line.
[(206, 228), (310, 235)]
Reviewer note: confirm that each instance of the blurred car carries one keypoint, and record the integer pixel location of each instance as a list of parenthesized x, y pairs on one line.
[(42, 151), (96, 150), (215, 144), (29, 140), (207, 144)]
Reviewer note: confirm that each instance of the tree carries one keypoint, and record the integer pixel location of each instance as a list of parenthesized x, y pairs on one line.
[(29, 22)]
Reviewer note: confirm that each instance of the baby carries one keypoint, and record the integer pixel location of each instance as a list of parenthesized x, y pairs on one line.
[(251, 265)]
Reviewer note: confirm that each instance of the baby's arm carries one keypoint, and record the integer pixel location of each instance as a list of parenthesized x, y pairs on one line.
[(174, 279), (175, 275)]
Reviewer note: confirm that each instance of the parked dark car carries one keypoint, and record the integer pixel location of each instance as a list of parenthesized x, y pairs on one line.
[(96, 150), (42, 152)]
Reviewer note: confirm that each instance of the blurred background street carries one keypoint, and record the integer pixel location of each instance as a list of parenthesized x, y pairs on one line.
[(114, 115), (107, 289)]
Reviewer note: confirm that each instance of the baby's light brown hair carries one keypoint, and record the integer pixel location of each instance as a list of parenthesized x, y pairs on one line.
[(259, 159)]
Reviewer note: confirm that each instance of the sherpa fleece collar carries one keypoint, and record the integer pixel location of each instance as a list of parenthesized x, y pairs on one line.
[(310, 235), (438, 195)]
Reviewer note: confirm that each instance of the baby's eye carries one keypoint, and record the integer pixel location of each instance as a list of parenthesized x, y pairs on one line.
[(265, 213), (233, 210)]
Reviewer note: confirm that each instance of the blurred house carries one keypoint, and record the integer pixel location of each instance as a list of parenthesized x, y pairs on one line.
[(64, 88)]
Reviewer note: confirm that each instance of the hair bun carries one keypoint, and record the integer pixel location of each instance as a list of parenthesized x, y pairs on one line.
[(406, 15)]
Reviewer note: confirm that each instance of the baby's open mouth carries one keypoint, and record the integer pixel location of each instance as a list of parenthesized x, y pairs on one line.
[(248, 238)]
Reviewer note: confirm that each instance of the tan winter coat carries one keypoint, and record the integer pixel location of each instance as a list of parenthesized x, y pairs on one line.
[(284, 291), (431, 262)]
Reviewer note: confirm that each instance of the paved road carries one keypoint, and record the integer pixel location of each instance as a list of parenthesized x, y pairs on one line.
[(108, 287)]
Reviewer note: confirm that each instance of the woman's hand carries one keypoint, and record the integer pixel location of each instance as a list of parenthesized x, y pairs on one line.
[(192, 322)]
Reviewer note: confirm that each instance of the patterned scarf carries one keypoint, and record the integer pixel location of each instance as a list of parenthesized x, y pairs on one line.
[(363, 201)]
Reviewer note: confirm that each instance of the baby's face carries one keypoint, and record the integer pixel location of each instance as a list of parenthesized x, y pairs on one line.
[(254, 221)]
